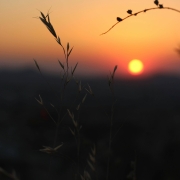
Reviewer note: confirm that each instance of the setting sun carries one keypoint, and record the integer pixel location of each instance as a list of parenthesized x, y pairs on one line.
[(135, 66)]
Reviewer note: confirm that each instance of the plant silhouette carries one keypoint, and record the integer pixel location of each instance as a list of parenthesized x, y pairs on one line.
[(156, 2)]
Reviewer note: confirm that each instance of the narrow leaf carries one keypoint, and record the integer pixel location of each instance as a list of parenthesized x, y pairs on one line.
[(58, 40), (74, 68), (84, 98), (44, 21), (61, 64), (70, 51), (37, 65), (56, 148), (43, 15), (73, 132), (48, 18), (51, 29)]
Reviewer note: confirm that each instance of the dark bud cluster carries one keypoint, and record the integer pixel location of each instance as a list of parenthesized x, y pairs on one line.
[(129, 11), (119, 19), (160, 6), (156, 2)]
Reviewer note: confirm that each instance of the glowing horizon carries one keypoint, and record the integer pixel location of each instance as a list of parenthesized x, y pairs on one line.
[(150, 37)]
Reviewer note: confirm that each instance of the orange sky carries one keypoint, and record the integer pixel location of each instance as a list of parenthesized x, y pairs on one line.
[(150, 37)]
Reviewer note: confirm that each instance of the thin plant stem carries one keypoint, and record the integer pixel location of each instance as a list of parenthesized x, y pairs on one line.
[(78, 142), (65, 79), (110, 142), (49, 115), (111, 86), (135, 14)]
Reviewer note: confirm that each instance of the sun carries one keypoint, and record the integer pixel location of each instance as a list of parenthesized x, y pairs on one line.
[(135, 67)]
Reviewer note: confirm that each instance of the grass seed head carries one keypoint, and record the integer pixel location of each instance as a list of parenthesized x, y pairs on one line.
[(58, 40)]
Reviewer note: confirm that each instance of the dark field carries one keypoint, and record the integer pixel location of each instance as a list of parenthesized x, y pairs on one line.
[(146, 127)]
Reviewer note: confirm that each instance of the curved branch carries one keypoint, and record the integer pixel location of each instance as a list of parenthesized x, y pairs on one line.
[(135, 14)]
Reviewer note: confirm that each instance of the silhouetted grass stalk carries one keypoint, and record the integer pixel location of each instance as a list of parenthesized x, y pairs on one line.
[(66, 78), (111, 86)]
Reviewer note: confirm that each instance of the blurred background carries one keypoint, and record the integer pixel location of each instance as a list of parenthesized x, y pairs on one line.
[(147, 110)]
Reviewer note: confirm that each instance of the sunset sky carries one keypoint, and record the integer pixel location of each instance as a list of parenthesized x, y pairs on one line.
[(150, 37)]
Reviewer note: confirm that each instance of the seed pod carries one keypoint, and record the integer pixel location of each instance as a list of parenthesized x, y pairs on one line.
[(156, 2), (129, 11), (119, 19)]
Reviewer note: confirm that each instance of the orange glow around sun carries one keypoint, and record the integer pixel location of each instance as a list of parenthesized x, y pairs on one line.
[(135, 67)]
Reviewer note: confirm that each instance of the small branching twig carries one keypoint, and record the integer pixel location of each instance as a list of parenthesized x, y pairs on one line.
[(156, 2)]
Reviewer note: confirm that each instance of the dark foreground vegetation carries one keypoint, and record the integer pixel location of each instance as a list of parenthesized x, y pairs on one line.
[(146, 128)]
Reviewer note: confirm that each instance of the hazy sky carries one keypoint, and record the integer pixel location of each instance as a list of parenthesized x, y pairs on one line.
[(150, 37)]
